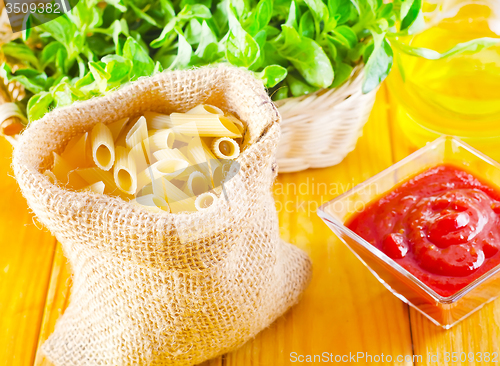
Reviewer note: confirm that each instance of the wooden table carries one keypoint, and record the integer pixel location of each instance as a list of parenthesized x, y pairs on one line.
[(344, 311)]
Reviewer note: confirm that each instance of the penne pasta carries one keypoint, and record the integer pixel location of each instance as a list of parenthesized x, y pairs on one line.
[(181, 138), (197, 184), (240, 125), (103, 146), (97, 187), (93, 175), (125, 130), (146, 148), (169, 168), (117, 127), (205, 109), (204, 201), (76, 151), (177, 199), (169, 154), (61, 168), (161, 139), (169, 162), (225, 148), (201, 156), (157, 121), (137, 134), (124, 172), (137, 155), (204, 125)]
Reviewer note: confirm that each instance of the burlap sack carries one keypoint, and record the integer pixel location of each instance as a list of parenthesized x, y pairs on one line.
[(160, 288)]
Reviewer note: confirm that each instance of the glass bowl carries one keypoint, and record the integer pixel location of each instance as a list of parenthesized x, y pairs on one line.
[(442, 311)]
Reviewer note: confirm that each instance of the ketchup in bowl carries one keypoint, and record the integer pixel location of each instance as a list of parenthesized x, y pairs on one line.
[(442, 225)]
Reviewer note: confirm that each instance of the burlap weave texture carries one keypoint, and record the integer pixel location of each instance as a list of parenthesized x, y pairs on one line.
[(160, 288)]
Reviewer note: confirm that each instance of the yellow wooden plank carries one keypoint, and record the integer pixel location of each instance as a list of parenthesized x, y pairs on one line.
[(471, 342), (57, 300), (478, 333), (26, 254), (345, 309)]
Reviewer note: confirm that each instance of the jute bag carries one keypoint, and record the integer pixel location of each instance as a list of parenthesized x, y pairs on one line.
[(161, 288)]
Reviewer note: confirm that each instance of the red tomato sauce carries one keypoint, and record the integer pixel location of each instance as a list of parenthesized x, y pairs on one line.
[(443, 226)]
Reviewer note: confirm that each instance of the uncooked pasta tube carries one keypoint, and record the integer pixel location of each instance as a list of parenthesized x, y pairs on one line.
[(204, 201), (103, 146), (125, 174), (225, 148)]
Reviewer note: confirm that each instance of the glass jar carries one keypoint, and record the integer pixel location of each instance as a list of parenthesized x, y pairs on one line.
[(457, 95)]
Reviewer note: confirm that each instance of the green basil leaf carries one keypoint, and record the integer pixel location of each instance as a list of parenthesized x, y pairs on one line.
[(101, 76), (142, 15), (61, 29), (85, 16), (306, 25), (281, 93), (158, 68), (241, 48), (342, 72), (272, 75), (143, 65), (118, 4), (333, 5), (27, 28), (221, 17), (260, 38), (412, 14), (332, 48), (195, 11), (355, 54), (346, 35), (99, 45), (318, 9), (299, 86), (264, 12), (379, 64), (273, 57), (167, 31), (344, 11), (291, 20), (168, 8), (207, 3), (20, 52), (86, 80), (368, 51), (33, 80), (118, 69), (117, 28), (39, 105), (386, 11), (307, 57), (62, 61), (207, 37), (193, 32), (184, 52)]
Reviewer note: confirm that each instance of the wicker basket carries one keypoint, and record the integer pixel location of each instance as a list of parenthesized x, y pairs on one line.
[(320, 129)]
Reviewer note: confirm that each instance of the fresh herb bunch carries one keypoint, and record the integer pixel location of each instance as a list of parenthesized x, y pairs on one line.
[(295, 46)]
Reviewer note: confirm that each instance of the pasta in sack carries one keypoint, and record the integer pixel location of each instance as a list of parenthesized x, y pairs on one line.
[(161, 288)]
